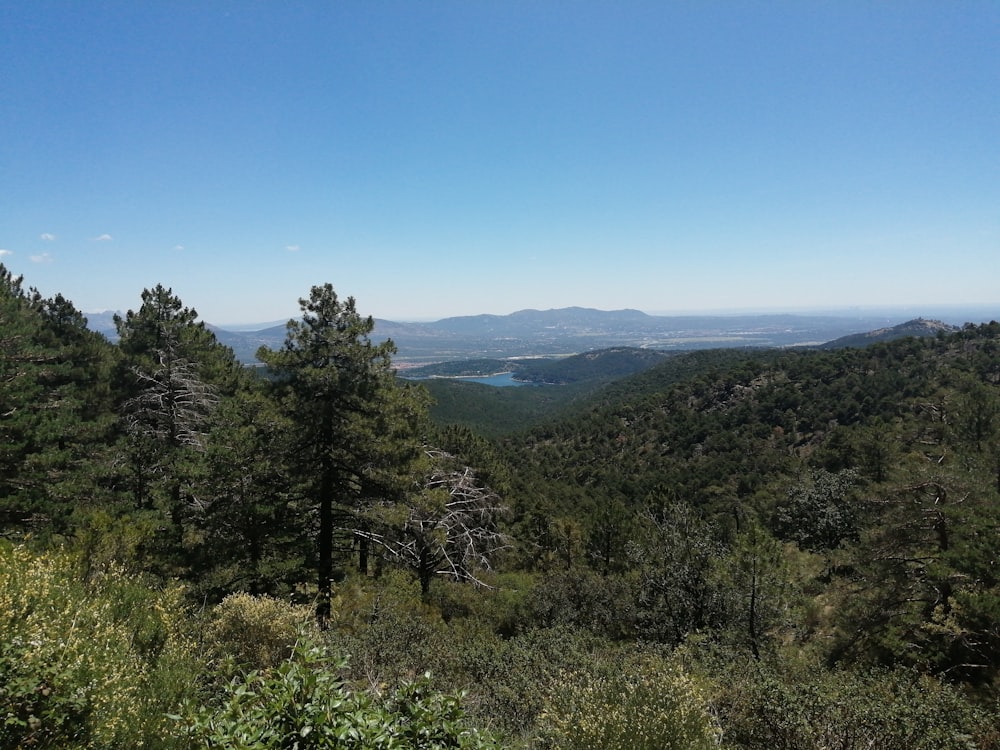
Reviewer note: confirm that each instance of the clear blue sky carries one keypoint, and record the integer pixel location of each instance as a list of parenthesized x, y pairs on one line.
[(447, 158)]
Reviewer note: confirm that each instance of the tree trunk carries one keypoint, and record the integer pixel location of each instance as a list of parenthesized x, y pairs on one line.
[(324, 595), (363, 552), (425, 571), (752, 613)]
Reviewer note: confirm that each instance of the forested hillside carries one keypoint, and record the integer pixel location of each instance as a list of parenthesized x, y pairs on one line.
[(493, 412), (876, 470), (739, 549)]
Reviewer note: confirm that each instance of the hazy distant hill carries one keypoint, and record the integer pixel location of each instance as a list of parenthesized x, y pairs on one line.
[(916, 327), (573, 330), (533, 322), (102, 322)]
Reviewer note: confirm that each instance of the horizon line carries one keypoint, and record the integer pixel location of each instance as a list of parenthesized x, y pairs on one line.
[(917, 310)]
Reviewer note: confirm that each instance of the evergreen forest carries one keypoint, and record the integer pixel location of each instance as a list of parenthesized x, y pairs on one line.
[(762, 548)]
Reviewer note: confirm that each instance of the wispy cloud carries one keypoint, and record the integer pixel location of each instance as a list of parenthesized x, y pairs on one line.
[(42, 258), (178, 247), (5, 253), (103, 238), (46, 236), (292, 248)]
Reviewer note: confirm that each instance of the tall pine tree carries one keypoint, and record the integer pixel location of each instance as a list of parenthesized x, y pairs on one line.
[(55, 409), (174, 373), (353, 428)]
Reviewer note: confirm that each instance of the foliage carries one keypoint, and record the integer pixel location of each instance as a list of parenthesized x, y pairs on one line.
[(253, 632), (498, 412), (648, 704), (510, 680), (394, 635), (55, 411), (173, 374), (581, 598), (818, 513), (762, 709), (675, 556), (753, 588), (248, 531), (391, 632), (602, 365), (352, 427), (86, 665), (304, 703)]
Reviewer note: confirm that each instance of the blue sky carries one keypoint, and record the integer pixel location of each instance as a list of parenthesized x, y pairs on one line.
[(448, 158)]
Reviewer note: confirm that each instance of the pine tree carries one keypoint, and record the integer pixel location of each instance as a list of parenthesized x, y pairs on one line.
[(55, 409), (247, 536), (173, 375), (353, 429)]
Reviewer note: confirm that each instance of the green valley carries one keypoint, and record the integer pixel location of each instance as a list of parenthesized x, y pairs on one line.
[(744, 547)]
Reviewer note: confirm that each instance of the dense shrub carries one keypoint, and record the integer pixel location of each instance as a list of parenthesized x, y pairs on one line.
[(648, 704), (510, 679), (582, 598), (391, 634), (304, 703), (253, 632), (842, 710), (89, 665)]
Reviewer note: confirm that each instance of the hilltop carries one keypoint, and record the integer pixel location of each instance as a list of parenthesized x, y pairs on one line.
[(917, 327)]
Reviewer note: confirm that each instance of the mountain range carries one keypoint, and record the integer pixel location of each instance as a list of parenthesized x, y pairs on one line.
[(573, 330)]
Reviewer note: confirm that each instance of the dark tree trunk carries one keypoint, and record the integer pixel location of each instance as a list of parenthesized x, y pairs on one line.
[(363, 552), (752, 614), (325, 544), (425, 572)]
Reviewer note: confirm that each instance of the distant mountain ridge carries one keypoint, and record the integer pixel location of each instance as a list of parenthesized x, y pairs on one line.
[(573, 318), (572, 330)]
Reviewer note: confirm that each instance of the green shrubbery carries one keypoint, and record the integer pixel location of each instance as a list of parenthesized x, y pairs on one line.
[(304, 703), (113, 663), (845, 709), (86, 664), (253, 632), (647, 704), (110, 662)]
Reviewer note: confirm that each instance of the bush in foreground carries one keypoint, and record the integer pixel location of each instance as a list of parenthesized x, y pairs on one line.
[(305, 704), (86, 664)]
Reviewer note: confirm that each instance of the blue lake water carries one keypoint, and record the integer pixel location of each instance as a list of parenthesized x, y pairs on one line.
[(502, 380)]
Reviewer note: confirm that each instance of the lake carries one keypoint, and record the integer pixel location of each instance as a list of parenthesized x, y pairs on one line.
[(501, 380)]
